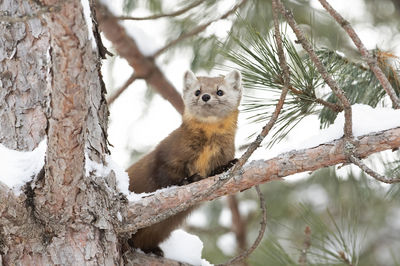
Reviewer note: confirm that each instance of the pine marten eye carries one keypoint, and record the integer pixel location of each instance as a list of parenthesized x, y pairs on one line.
[(197, 93), (220, 92)]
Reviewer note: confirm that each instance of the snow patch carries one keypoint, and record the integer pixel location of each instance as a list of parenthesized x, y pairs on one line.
[(197, 219), (89, 23), (19, 167), (121, 176), (225, 218), (365, 120), (184, 247), (227, 244)]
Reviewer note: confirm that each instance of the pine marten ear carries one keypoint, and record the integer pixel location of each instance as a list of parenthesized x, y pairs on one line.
[(189, 80), (233, 79)]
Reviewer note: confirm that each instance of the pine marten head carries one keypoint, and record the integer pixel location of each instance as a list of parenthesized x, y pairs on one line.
[(211, 98)]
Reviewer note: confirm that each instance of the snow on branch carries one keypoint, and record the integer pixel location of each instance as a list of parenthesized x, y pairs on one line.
[(168, 202)]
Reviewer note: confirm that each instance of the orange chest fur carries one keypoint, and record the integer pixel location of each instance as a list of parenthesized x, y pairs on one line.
[(217, 144)]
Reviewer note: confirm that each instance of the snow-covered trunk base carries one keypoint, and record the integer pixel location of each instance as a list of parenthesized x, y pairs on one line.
[(51, 89)]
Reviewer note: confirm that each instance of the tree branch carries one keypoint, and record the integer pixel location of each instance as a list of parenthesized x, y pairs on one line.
[(173, 14), (371, 172), (144, 66), (116, 94), (168, 202), (321, 69), (198, 29), (250, 250), (333, 106), (370, 59)]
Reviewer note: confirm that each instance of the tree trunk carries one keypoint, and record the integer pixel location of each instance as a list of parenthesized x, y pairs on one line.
[(51, 88)]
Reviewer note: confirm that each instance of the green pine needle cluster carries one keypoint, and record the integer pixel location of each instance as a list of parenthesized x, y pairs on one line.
[(308, 94)]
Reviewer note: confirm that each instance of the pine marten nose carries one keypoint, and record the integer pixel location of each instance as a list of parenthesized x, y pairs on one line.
[(205, 97)]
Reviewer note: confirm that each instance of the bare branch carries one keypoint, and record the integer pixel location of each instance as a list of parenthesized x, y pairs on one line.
[(321, 69), (368, 57), (116, 94), (198, 29), (144, 67), (333, 106), (246, 253), (173, 14), (165, 203), (371, 172)]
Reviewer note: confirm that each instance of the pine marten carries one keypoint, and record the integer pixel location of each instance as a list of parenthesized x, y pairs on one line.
[(204, 142)]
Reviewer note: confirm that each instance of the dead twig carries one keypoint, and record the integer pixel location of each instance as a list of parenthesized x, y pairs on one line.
[(198, 29), (116, 94), (163, 15), (368, 57), (333, 106), (246, 253), (371, 172)]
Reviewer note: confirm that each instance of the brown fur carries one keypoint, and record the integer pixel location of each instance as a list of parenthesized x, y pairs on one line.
[(197, 147)]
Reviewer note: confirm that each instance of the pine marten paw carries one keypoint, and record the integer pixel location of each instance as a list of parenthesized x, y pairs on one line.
[(224, 168), (191, 179), (156, 251)]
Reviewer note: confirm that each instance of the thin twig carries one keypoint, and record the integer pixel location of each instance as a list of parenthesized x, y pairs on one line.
[(286, 85), (113, 97), (197, 29), (246, 253), (368, 57), (307, 245), (321, 69), (333, 106), (371, 172), (163, 15)]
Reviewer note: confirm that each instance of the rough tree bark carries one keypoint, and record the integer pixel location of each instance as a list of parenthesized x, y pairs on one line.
[(51, 87)]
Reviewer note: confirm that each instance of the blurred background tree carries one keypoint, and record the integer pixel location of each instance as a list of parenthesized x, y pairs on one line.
[(329, 217)]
